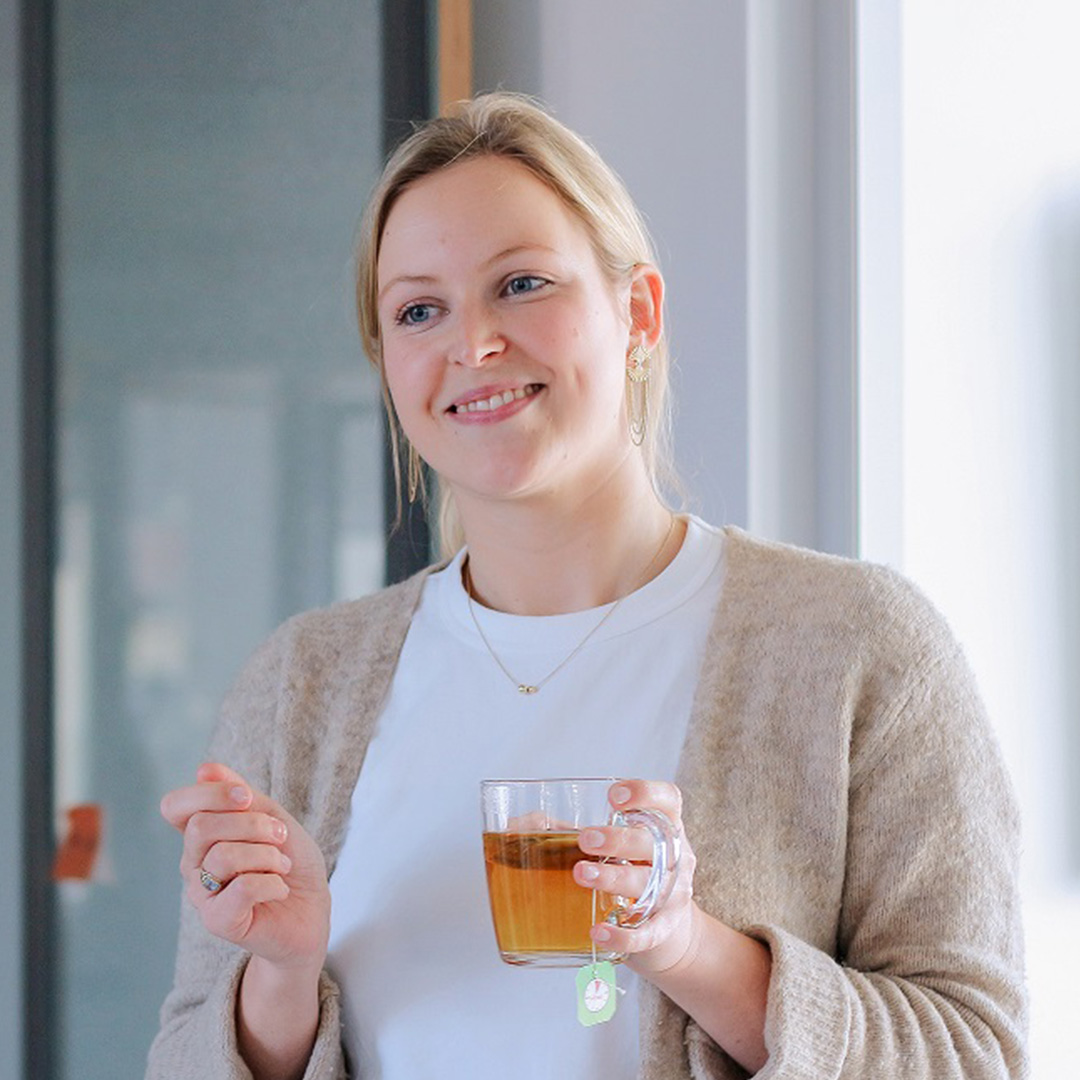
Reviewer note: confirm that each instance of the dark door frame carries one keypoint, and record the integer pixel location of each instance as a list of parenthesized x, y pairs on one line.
[(38, 521)]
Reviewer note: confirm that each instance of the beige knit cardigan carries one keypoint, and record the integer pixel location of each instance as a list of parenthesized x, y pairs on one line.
[(843, 794)]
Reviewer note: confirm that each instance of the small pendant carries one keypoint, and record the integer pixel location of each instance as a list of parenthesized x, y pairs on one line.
[(525, 688)]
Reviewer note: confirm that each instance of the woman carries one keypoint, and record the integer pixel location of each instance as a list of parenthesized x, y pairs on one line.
[(846, 901)]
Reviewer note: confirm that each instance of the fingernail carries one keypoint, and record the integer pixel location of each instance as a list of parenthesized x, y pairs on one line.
[(279, 831), (590, 838), (239, 795), (589, 871), (619, 794), (600, 933), (286, 863)]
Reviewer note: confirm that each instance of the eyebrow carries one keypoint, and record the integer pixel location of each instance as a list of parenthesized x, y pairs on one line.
[(406, 279), (519, 247), (427, 279)]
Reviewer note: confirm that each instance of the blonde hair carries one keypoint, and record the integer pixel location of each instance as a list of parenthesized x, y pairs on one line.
[(513, 126)]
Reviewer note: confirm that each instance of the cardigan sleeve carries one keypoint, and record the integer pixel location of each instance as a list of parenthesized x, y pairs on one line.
[(927, 979), (197, 1038)]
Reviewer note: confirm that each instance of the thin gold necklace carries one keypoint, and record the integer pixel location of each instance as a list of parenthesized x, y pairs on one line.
[(535, 688)]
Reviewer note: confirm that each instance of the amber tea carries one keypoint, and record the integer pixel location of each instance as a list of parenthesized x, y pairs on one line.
[(537, 907)]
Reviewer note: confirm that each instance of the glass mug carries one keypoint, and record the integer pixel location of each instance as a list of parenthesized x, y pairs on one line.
[(541, 914)]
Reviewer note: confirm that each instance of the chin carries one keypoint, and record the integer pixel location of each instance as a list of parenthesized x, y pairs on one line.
[(503, 486)]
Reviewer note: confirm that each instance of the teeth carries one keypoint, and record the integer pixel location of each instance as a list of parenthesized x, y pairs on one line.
[(496, 400)]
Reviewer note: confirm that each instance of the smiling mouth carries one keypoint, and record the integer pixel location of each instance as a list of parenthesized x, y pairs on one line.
[(496, 401)]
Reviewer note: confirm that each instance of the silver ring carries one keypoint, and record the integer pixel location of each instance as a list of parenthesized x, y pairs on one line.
[(209, 882)]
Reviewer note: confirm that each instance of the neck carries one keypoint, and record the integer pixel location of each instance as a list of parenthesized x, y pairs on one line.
[(547, 557)]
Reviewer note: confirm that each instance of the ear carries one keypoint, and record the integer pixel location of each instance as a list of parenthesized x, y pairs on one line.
[(646, 306)]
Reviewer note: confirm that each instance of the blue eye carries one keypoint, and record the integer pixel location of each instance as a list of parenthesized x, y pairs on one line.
[(524, 283), (414, 314)]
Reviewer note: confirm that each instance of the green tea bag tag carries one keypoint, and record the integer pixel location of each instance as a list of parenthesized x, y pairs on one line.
[(596, 993)]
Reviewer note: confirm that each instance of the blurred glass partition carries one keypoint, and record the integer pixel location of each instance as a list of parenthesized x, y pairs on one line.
[(219, 439)]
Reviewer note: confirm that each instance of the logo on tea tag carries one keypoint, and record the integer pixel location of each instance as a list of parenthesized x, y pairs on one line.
[(596, 996)]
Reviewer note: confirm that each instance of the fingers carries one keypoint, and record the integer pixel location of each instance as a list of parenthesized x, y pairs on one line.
[(632, 941), (219, 795), (206, 830), (226, 861), (612, 878), (664, 935), (229, 830), (632, 844), (647, 795), (230, 913), (218, 789), (242, 850), (626, 855), (215, 770), (239, 864), (660, 943)]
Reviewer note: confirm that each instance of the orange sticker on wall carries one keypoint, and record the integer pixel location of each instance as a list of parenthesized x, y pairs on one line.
[(78, 851)]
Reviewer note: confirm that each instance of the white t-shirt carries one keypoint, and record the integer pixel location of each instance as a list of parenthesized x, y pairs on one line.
[(424, 992)]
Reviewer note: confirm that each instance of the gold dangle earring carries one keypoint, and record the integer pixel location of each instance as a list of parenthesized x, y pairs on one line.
[(637, 392), (415, 473)]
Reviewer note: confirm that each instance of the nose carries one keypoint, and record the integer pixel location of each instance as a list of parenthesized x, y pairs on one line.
[(479, 339)]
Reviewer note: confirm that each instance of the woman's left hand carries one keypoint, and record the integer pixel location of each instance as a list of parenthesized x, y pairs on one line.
[(668, 938)]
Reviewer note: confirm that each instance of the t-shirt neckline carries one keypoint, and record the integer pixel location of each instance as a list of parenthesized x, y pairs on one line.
[(697, 558)]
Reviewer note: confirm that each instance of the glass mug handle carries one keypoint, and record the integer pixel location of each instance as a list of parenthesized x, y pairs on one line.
[(665, 862)]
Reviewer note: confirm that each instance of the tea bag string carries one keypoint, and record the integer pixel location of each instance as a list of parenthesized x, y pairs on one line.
[(618, 989), (593, 923)]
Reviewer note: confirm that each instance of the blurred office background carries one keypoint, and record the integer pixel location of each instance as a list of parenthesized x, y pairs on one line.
[(868, 213)]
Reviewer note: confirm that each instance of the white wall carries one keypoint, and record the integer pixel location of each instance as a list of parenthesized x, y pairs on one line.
[(991, 499), (800, 267)]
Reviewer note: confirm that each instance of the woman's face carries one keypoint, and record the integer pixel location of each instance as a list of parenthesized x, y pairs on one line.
[(504, 343)]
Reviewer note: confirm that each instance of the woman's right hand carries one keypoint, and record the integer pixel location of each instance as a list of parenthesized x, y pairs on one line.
[(275, 900)]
